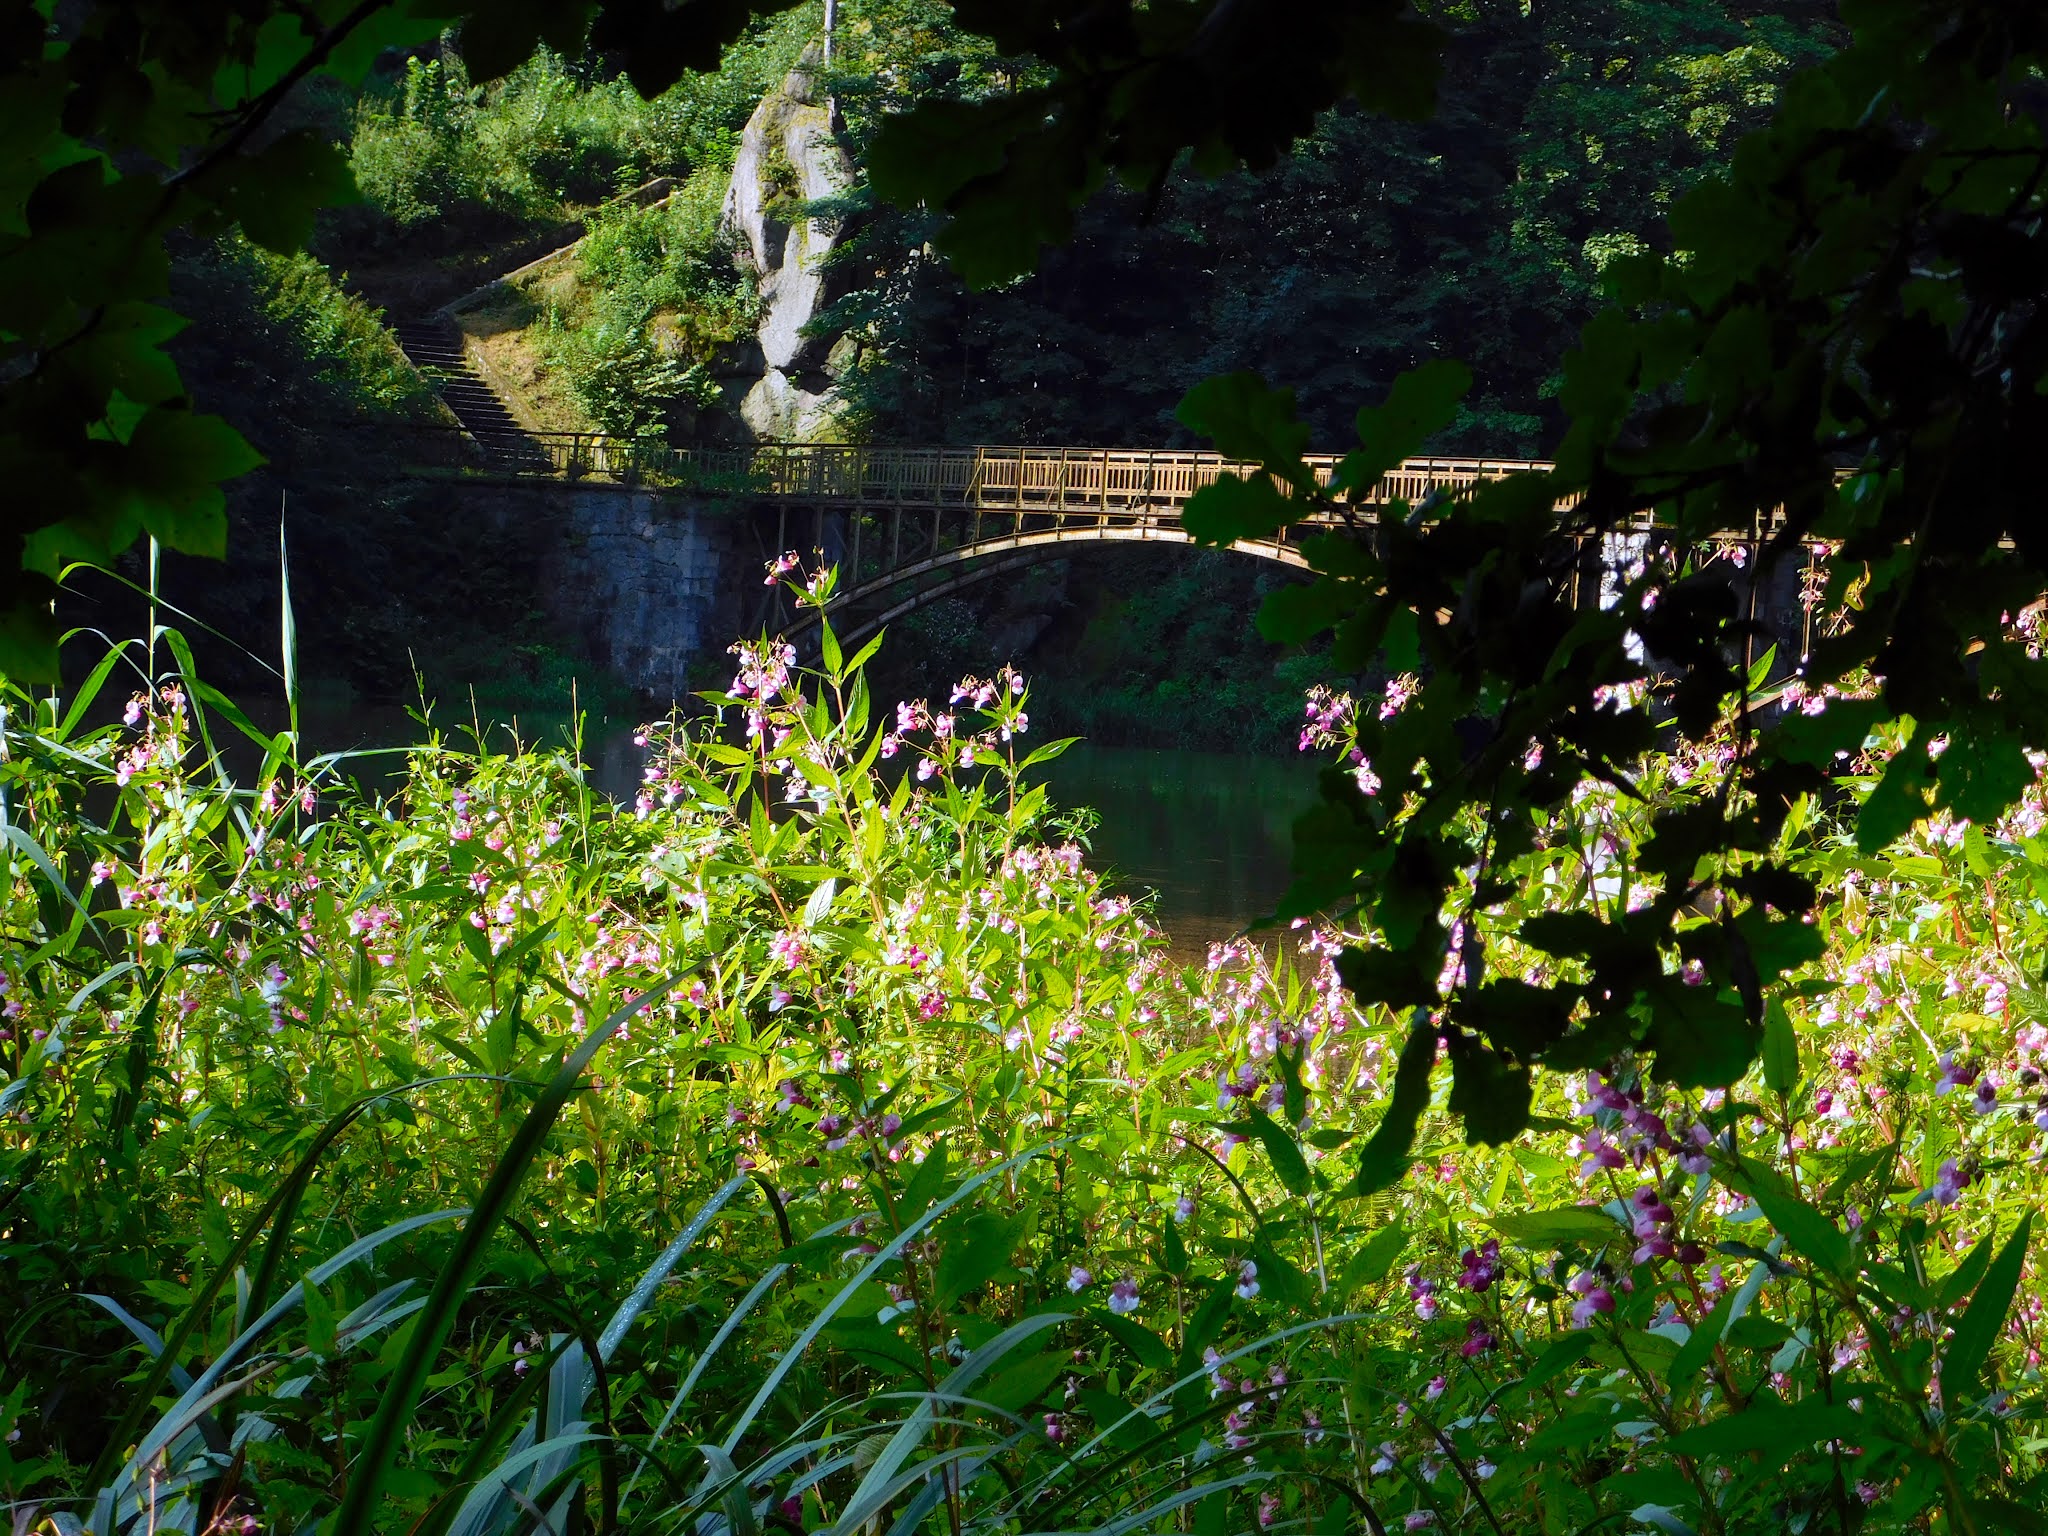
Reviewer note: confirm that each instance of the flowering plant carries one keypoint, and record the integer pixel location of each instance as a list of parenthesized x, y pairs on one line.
[(954, 1159)]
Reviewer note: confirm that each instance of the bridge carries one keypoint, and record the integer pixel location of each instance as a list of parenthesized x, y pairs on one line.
[(906, 526)]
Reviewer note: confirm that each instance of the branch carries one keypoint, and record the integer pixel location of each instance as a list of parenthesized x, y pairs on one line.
[(255, 113)]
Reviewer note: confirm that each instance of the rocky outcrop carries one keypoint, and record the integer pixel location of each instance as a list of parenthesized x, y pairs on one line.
[(789, 156)]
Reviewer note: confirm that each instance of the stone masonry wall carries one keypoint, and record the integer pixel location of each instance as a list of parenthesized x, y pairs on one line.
[(650, 583)]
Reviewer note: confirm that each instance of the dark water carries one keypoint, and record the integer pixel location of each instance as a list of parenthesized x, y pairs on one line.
[(1208, 835), (1209, 832)]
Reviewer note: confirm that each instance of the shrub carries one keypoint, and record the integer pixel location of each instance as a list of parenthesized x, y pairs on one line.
[(343, 341), (553, 137), (656, 296)]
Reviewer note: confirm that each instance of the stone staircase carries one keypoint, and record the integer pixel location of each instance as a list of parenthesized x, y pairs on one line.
[(435, 348)]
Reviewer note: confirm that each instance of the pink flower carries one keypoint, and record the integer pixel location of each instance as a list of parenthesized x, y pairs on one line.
[(1593, 1298), (1078, 1280), (1247, 1280), (1481, 1266), (790, 1095), (1123, 1296), (1949, 1184), (1954, 1074)]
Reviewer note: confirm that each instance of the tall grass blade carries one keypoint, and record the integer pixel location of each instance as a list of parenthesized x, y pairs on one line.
[(880, 1486), (462, 1489), (866, 1272), (150, 1339), (280, 1208), (204, 1389), (288, 626), (89, 690), (402, 1391)]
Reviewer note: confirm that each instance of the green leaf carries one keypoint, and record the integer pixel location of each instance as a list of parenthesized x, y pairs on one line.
[(1247, 420), (1373, 1261), (1966, 1276), (1489, 1094), (1023, 1384), (499, 37), (926, 1182), (1146, 1347), (2004, 1515), (1807, 1229), (275, 193), (1699, 1346), (1900, 798), (1422, 403), (1385, 1157), (1561, 1355), (1982, 773), (1206, 1323), (1580, 1224), (1781, 1049), (1233, 508), (929, 153), (1288, 1162), (1699, 1040), (1173, 1252), (321, 1318), (1294, 615), (1979, 1326), (1780, 1431), (1002, 222), (175, 462), (979, 1251)]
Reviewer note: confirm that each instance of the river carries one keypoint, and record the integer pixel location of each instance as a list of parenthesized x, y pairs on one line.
[(1207, 835)]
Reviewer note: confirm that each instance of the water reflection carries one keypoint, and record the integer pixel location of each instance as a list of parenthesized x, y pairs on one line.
[(1210, 832)]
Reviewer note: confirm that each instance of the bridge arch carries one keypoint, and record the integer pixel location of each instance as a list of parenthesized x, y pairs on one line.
[(942, 575)]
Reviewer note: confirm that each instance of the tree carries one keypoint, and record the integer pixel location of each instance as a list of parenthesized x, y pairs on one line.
[(128, 122), (1846, 346)]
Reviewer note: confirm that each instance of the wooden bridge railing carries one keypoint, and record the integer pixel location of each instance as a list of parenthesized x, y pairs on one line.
[(986, 478)]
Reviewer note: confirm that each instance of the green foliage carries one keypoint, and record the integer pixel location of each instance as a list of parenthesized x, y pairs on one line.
[(811, 1140), (1129, 98), (1479, 234), (344, 343), (1718, 400), (131, 123), (656, 295), (549, 138)]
